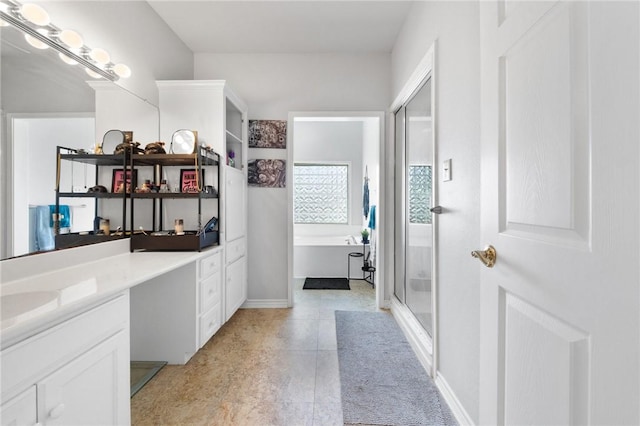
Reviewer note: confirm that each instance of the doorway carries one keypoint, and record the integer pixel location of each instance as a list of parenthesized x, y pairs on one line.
[(31, 174), (334, 194)]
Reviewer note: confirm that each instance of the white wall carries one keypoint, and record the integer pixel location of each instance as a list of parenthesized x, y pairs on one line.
[(272, 85), (455, 26)]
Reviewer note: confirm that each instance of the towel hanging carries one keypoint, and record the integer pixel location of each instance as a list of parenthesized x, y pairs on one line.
[(65, 215), (365, 193)]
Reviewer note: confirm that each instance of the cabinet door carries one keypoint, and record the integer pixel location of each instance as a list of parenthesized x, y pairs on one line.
[(90, 390), (234, 204), (236, 287), (21, 410)]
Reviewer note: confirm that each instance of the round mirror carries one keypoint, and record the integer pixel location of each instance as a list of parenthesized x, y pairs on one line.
[(111, 140), (184, 141)]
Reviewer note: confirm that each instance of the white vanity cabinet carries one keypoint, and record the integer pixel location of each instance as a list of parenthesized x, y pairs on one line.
[(235, 236), (74, 373), (21, 410), (220, 117), (176, 313), (210, 295)]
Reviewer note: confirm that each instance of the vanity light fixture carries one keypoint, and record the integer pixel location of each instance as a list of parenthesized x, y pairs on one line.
[(100, 56), (35, 14), (122, 70), (71, 38), (36, 42), (92, 73), (67, 60), (34, 21)]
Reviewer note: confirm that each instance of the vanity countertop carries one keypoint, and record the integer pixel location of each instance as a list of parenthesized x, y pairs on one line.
[(36, 302)]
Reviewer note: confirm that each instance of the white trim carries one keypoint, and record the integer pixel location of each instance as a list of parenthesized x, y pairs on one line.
[(264, 303), (418, 338), (426, 68), (457, 409), (417, 77), (380, 270)]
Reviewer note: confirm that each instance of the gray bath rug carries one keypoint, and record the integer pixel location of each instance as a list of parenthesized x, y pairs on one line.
[(382, 381)]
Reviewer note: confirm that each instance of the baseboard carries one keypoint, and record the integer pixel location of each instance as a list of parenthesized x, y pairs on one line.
[(415, 334), (457, 409), (264, 303)]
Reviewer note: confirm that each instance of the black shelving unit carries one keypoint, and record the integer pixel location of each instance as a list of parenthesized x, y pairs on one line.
[(157, 238), (69, 155)]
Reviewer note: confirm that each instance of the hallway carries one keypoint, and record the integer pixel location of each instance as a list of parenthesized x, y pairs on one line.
[(264, 367)]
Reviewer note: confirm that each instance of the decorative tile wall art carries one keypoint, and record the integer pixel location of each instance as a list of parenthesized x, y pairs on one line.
[(267, 134), (268, 173)]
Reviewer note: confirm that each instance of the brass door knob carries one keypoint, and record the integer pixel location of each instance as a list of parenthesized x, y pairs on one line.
[(487, 256)]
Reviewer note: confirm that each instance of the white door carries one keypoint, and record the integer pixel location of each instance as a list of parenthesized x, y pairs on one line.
[(560, 137), (234, 207)]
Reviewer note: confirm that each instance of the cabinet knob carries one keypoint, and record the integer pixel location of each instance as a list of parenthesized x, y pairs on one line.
[(56, 411)]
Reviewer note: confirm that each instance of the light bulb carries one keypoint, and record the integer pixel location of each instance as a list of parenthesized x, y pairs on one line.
[(67, 59), (99, 55), (71, 39), (35, 14), (35, 42), (122, 70), (92, 73)]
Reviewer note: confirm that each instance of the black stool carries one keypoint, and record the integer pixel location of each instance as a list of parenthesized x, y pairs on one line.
[(370, 274), (353, 254)]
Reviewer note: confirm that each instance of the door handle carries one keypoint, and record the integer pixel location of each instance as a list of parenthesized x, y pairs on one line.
[(436, 210), (487, 256)]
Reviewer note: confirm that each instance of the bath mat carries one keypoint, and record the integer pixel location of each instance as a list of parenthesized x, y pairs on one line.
[(326, 284), (381, 379), (142, 372)]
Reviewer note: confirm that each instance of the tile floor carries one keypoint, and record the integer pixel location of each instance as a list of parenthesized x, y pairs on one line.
[(263, 367)]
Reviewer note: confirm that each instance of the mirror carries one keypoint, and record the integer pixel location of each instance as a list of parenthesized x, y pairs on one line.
[(46, 103), (111, 140), (184, 141)]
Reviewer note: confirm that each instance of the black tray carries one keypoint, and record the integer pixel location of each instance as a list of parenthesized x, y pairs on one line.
[(171, 242)]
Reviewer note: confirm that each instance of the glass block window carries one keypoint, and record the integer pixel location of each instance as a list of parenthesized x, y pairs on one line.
[(321, 193), (420, 194)]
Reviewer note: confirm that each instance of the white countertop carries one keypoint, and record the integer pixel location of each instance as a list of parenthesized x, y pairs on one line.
[(37, 302)]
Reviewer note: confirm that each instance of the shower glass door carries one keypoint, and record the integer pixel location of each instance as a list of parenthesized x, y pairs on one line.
[(414, 237)]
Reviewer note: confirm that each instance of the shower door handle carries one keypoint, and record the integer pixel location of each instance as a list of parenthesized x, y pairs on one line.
[(436, 210)]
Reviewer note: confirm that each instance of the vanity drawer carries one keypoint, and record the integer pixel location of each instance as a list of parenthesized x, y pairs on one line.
[(210, 264), (210, 322), (235, 250), (210, 293)]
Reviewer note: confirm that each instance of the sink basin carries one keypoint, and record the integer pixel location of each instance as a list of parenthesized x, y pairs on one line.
[(22, 306)]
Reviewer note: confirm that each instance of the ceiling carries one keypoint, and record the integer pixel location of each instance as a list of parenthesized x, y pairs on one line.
[(303, 26)]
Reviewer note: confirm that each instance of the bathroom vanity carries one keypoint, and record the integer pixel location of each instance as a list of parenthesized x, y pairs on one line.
[(72, 329)]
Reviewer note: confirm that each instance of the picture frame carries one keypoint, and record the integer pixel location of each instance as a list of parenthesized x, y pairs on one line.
[(118, 179), (267, 173), (190, 182)]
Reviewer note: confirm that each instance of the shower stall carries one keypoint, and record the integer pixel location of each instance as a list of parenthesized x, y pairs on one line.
[(414, 144)]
